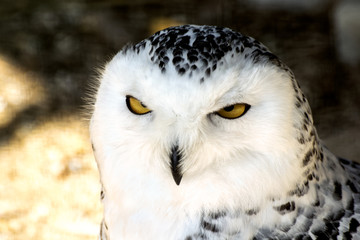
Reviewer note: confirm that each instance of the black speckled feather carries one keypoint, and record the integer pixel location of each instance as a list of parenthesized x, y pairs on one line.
[(324, 204), (200, 49)]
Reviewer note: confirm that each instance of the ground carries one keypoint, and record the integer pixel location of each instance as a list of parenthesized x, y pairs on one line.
[(49, 184)]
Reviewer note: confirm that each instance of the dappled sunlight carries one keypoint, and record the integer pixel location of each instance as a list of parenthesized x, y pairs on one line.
[(49, 183), (19, 90)]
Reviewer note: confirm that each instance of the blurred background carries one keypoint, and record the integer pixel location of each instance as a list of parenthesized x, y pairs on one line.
[(49, 53)]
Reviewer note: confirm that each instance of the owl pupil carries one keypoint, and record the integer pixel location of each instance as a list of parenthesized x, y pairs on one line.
[(229, 108)]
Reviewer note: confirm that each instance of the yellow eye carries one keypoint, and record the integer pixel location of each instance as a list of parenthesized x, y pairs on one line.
[(135, 106), (233, 111)]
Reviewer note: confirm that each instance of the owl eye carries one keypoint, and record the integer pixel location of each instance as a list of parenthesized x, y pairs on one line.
[(135, 106), (233, 111)]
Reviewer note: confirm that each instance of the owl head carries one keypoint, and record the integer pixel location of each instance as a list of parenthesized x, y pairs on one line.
[(198, 107)]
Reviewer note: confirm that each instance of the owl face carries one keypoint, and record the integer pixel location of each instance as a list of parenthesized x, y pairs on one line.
[(160, 119)]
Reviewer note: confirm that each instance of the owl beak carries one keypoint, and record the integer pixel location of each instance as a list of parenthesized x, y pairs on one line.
[(175, 157)]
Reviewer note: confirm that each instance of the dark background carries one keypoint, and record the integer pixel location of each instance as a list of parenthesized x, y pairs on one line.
[(50, 52), (65, 41)]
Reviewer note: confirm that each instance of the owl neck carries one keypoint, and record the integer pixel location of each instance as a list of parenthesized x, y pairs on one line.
[(316, 165)]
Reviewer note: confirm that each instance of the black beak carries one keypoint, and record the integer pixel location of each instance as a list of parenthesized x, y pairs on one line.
[(175, 158)]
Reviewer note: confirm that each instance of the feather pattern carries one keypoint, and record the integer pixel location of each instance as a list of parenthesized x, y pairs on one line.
[(263, 175)]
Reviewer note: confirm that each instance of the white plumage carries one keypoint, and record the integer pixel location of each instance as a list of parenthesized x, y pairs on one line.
[(201, 133)]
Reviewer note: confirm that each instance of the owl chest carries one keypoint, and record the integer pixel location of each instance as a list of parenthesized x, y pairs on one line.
[(167, 221)]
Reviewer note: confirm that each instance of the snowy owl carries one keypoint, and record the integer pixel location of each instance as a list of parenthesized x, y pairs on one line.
[(201, 132)]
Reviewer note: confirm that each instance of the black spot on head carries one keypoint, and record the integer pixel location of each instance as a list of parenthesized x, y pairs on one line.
[(151, 50), (177, 52), (184, 41), (208, 72), (193, 59), (160, 51), (205, 62), (219, 54), (161, 64), (177, 60), (186, 66), (165, 59), (181, 71), (214, 67), (209, 45), (193, 52)]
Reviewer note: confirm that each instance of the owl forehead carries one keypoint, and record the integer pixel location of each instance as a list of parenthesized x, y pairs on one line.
[(196, 52)]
